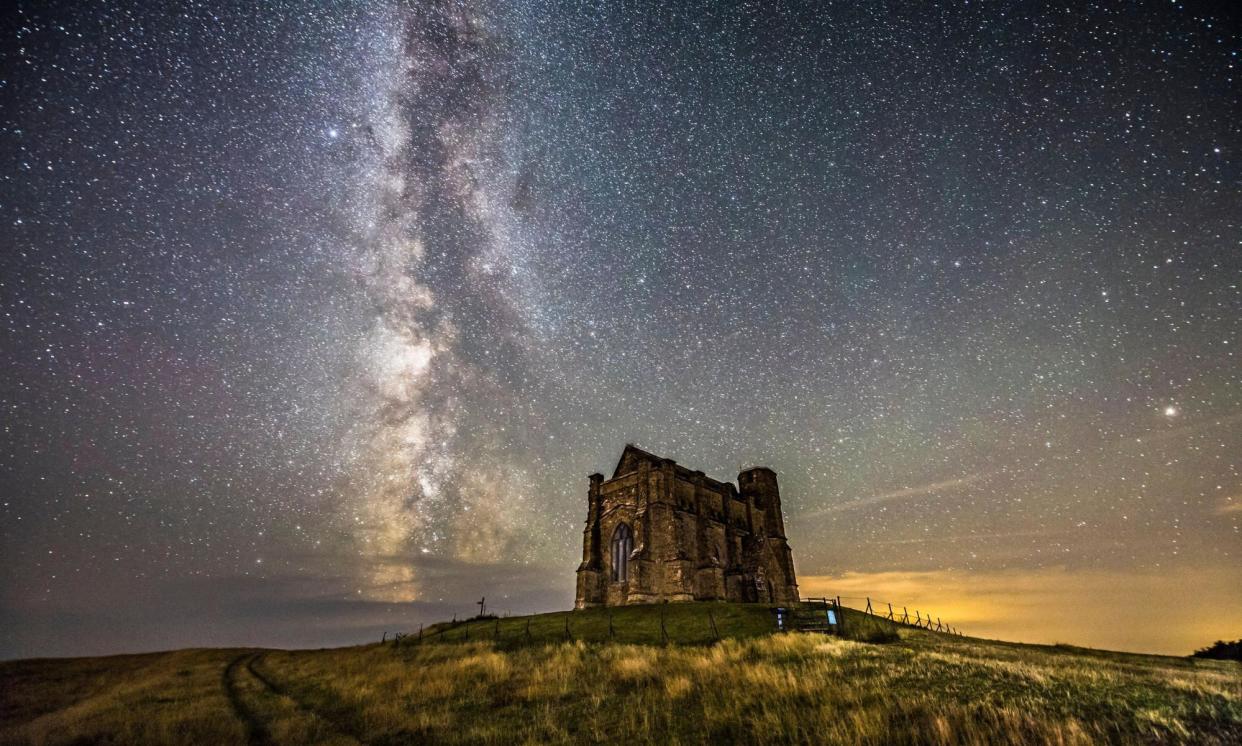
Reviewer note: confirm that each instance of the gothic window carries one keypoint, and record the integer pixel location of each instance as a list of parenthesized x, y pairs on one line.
[(622, 545)]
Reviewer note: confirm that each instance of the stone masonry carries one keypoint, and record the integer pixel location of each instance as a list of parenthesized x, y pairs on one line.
[(657, 531)]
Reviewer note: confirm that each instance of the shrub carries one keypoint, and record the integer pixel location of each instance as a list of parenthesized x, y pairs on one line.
[(1221, 651)]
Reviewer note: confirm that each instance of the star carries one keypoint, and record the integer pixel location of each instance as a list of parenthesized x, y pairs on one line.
[(367, 303)]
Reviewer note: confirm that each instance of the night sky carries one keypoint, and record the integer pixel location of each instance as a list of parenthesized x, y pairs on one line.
[(315, 319)]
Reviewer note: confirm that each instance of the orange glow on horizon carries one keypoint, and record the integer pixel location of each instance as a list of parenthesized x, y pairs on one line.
[(1171, 612)]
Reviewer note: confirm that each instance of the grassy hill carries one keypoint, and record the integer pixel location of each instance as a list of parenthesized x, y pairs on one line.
[(527, 680)]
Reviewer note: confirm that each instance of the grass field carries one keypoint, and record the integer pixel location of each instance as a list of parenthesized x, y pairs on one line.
[(498, 683)]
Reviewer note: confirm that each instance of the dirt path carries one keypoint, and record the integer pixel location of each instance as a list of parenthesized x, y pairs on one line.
[(242, 701), (270, 715)]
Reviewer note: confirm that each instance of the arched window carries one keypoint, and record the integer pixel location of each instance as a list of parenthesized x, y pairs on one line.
[(622, 545)]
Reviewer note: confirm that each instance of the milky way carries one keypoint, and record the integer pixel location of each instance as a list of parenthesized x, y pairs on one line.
[(315, 320)]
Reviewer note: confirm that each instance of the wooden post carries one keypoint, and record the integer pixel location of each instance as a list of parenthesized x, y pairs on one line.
[(890, 612), (918, 620), (869, 611), (937, 624), (420, 632), (482, 604), (611, 632), (568, 635), (497, 635), (840, 616), (384, 639), (712, 619), (663, 630), (465, 631), (527, 628)]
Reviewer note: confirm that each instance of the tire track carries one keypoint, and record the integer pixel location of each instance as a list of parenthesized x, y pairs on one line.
[(270, 714), (256, 729), (340, 733)]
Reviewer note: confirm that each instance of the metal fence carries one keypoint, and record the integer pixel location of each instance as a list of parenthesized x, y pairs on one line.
[(825, 614), (888, 610), (566, 627)]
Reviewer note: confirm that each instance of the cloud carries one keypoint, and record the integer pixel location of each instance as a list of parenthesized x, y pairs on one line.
[(1230, 505), (968, 537), (281, 611), (904, 493)]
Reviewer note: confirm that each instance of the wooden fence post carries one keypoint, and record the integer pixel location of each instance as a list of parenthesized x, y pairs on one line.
[(420, 633), (663, 630), (568, 635), (869, 611), (528, 628), (890, 612), (840, 617), (497, 635), (712, 619), (905, 615)]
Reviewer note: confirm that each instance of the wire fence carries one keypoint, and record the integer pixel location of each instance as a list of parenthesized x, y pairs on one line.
[(690, 623), (888, 610), (684, 624)]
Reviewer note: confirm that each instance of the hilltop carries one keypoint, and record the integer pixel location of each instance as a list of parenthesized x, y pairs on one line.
[(527, 680)]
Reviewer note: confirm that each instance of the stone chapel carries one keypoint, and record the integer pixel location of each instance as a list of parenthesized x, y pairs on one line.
[(657, 531)]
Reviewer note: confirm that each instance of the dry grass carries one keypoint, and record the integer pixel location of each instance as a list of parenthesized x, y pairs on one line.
[(926, 689)]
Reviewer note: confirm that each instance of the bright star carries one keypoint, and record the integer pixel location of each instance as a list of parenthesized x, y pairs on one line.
[(1170, 411)]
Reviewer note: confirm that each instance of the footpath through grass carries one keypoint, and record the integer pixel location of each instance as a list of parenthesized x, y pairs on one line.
[(751, 687)]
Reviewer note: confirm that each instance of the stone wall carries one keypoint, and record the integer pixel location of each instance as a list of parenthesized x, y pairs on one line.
[(694, 538)]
